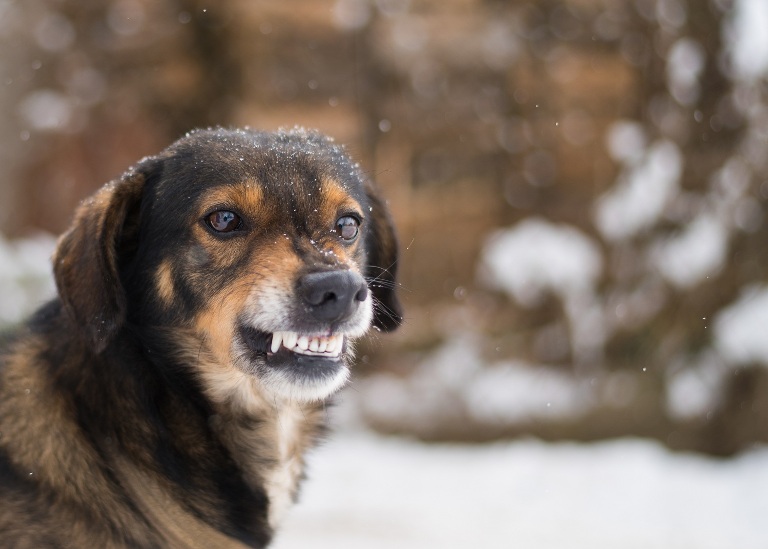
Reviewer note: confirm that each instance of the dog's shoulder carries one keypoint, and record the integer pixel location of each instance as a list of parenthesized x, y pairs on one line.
[(86, 456)]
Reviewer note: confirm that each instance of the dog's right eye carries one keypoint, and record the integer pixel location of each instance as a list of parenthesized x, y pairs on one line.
[(223, 221)]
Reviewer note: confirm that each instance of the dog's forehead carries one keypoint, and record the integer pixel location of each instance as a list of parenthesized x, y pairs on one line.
[(296, 163)]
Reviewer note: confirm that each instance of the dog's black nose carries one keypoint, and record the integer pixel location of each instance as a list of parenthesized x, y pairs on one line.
[(332, 296)]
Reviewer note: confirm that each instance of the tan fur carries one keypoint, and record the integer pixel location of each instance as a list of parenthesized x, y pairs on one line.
[(56, 453), (164, 283)]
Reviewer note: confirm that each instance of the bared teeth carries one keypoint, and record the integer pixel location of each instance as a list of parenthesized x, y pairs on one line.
[(308, 345), (290, 339)]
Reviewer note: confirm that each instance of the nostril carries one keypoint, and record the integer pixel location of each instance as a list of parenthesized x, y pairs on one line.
[(362, 294)]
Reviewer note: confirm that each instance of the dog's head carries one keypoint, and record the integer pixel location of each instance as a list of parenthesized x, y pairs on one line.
[(264, 253)]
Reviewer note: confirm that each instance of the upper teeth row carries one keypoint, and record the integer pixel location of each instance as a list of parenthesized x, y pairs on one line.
[(308, 345)]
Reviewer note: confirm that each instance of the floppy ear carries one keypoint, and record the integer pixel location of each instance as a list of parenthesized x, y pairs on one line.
[(381, 270), (86, 260)]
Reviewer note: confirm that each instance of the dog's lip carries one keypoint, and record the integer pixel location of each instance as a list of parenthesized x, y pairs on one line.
[(326, 346)]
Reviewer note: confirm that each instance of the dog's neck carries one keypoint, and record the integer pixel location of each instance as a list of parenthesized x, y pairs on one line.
[(267, 439)]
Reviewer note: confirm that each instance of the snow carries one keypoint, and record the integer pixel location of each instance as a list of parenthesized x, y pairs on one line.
[(524, 392), (642, 192), (537, 256), (626, 141), (749, 39), (373, 492), (455, 379), (699, 251), (26, 280), (351, 15), (685, 62), (695, 390), (46, 110), (741, 329), (54, 32)]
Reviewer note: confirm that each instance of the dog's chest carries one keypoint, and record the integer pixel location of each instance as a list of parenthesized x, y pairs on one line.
[(282, 480), (271, 454)]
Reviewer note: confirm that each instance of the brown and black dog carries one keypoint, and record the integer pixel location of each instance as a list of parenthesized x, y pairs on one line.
[(208, 301)]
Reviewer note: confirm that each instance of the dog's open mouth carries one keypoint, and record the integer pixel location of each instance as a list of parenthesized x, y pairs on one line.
[(299, 366), (285, 342)]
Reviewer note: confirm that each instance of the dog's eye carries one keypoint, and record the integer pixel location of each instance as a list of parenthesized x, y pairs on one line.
[(347, 228), (223, 221)]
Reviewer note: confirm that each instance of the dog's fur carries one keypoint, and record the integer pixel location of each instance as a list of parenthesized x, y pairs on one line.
[(145, 406)]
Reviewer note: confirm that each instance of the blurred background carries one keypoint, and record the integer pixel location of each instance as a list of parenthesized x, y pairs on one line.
[(580, 188)]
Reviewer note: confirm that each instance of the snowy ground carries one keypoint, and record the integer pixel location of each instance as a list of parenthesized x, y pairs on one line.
[(369, 492)]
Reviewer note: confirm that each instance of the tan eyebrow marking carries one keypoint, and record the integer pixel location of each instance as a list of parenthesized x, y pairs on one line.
[(247, 196), (335, 198)]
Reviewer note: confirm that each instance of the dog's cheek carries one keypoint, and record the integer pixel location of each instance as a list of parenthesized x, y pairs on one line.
[(216, 324)]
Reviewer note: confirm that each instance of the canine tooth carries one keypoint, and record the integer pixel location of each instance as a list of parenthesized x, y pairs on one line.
[(314, 345), (289, 339), (303, 343), (277, 339)]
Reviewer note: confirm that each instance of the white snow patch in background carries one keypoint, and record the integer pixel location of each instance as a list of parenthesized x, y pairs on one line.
[(685, 62), (642, 192), (747, 33), (351, 15), (371, 492), (517, 392), (626, 141), (46, 110), (695, 390), (699, 251), (432, 390), (536, 256), (741, 329), (26, 280), (454, 381)]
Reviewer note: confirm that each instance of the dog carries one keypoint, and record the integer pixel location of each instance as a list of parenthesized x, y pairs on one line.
[(208, 301)]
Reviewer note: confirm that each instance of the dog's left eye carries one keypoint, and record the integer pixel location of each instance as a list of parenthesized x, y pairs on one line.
[(223, 221), (347, 228)]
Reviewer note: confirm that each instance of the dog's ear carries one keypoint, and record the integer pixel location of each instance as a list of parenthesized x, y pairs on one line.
[(381, 270), (86, 260)]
